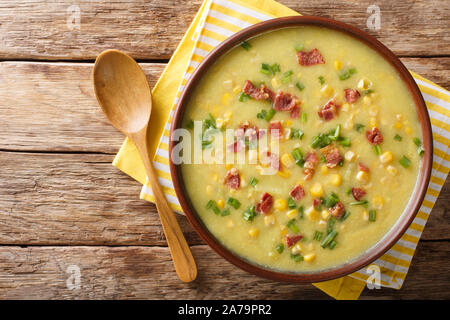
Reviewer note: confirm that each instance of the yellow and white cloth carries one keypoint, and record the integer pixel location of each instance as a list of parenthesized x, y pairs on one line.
[(215, 22)]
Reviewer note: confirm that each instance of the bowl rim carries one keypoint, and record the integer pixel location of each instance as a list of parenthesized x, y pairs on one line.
[(410, 211)]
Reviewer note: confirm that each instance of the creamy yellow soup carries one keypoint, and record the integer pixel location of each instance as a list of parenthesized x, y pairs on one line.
[(372, 181)]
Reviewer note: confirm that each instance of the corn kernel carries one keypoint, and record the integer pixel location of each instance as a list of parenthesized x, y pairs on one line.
[(365, 215), (228, 166), (221, 203), (292, 213), (269, 220), (312, 213), (324, 169), (408, 130), (253, 156), (345, 107), (237, 90), (367, 100), (309, 257), (275, 83), (316, 190), (284, 230), (350, 155), (373, 122), (386, 157), (296, 249), (280, 204), (288, 123), (398, 125), (338, 65), (227, 115), (392, 170), (336, 179), (378, 202), (243, 182), (287, 160), (215, 111), (325, 214), (284, 173), (362, 176), (219, 123), (326, 91), (399, 116), (364, 84), (253, 232), (226, 99)]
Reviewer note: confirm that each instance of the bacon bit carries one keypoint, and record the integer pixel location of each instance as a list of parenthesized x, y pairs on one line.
[(255, 93), (268, 91), (291, 240), (332, 156), (310, 58), (375, 137), (309, 173), (276, 129), (265, 204), (311, 160), (358, 193), (363, 167), (285, 101), (295, 113), (233, 179), (317, 202), (237, 146), (297, 193), (351, 95), (274, 160), (338, 210), (249, 130), (329, 110)]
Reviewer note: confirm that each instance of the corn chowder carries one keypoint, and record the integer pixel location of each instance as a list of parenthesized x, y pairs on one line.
[(348, 141)]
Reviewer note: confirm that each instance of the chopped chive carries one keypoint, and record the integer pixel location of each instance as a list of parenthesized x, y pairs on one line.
[(359, 203), (233, 202), (397, 137), (359, 127), (298, 157), (372, 215), (299, 47), (321, 79), (420, 151), (296, 134), (304, 117), (377, 150), (275, 68), (318, 235), (253, 182), (279, 248), (296, 257), (287, 76), (225, 212), (301, 212), (292, 225), (330, 237), (270, 114), (299, 86), (243, 97), (212, 205), (345, 142), (345, 216), (417, 142), (332, 245), (246, 45), (291, 203), (249, 214), (405, 162)]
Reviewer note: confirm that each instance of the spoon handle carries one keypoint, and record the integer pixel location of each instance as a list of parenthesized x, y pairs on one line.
[(181, 253)]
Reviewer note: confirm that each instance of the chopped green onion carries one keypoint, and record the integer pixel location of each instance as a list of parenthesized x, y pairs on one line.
[(405, 162), (206, 144), (262, 114), (344, 142), (292, 225), (299, 86), (299, 47), (265, 68), (253, 182), (397, 137), (270, 114), (366, 92), (225, 212), (337, 132), (301, 212), (249, 214), (359, 203), (243, 97), (304, 117), (296, 133), (377, 150), (372, 215), (359, 127), (246, 45), (233, 202), (296, 257), (331, 200), (287, 76), (321, 79), (345, 216), (275, 68), (279, 248), (332, 245), (212, 205), (420, 151), (320, 141), (348, 191), (417, 142), (298, 157), (291, 203), (330, 224), (330, 237), (345, 74), (318, 235)]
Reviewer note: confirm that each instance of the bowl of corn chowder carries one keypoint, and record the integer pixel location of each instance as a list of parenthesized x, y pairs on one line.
[(306, 149)]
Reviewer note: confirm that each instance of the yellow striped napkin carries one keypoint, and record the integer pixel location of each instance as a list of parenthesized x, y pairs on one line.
[(217, 20)]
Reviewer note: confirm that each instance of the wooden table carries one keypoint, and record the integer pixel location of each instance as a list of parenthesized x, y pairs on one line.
[(63, 204)]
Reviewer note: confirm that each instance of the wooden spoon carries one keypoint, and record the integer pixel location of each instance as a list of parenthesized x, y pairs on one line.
[(124, 95)]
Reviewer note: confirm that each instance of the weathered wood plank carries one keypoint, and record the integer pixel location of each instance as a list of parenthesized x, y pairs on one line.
[(52, 106), (409, 28), (80, 199), (147, 273)]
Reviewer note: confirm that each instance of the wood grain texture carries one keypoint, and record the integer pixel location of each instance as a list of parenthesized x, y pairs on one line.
[(146, 273), (80, 199), (52, 106), (152, 29)]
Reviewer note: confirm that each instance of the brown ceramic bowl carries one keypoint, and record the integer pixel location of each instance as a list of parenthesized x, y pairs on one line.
[(416, 198)]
